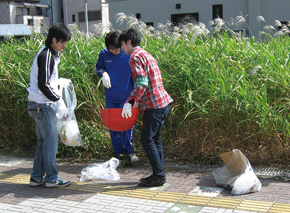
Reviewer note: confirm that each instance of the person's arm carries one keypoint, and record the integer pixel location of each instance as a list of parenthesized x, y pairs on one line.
[(101, 71), (141, 78), (100, 65), (44, 72)]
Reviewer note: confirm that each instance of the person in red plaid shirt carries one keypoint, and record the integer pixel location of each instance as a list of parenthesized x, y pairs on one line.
[(154, 103)]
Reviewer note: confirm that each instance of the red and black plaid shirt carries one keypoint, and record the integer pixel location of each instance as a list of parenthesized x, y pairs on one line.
[(143, 64)]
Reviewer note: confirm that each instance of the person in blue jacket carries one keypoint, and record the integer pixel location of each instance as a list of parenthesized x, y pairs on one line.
[(113, 67)]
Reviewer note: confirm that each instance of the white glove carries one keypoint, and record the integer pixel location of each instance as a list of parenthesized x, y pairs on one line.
[(106, 80), (61, 110), (127, 108)]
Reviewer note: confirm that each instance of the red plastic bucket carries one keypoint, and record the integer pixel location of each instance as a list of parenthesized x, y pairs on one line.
[(113, 120)]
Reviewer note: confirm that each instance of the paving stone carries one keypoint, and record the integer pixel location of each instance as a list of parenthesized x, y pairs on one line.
[(17, 195)]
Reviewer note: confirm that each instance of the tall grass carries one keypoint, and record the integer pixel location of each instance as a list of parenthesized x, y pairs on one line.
[(229, 92)]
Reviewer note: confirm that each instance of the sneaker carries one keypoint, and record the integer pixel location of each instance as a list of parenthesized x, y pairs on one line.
[(147, 178), (155, 181), (36, 182), (133, 158), (58, 183)]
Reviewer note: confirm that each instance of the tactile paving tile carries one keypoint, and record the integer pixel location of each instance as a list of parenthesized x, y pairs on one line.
[(25, 180), (226, 203), (117, 191), (168, 197), (195, 200), (279, 208), (179, 198), (256, 206), (3, 176), (75, 185), (94, 188), (13, 178), (143, 194)]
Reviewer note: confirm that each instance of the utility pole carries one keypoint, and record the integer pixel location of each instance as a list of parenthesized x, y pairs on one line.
[(66, 16), (86, 17)]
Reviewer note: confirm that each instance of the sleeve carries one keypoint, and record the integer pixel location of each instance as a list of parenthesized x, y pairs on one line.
[(44, 71), (100, 65), (138, 73)]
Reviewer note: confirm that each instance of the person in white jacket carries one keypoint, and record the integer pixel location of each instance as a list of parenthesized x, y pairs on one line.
[(43, 99)]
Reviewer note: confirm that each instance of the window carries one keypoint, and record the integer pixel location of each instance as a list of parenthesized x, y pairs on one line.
[(19, 11), (283, 25), (92, 16), (149, 24), (38, 11), (73, 18), (178, 6), (138, 15), (22, 11), (30, 22), (286, 23), (184, 18), (217, 11), (82, 16)]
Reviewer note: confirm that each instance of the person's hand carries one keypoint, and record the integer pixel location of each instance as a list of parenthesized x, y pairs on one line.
[(126, 112), (61, 110), (106, 80)]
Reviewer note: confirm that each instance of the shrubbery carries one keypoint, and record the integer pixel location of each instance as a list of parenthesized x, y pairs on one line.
[(229, 93)]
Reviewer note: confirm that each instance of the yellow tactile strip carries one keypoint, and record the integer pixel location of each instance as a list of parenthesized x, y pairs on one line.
[(258, 206), (226, 203), (279, 208), (181, 198)]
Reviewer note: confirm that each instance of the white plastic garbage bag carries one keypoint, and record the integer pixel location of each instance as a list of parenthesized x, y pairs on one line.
[(67, 127), (237, 174), (105, 171)]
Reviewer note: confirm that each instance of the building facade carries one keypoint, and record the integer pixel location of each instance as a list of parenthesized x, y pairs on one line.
[(38, 15), (97, 14), (55, 10), (153, 12)]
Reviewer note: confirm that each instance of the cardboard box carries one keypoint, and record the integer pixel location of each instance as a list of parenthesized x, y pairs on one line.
[(235, 162)]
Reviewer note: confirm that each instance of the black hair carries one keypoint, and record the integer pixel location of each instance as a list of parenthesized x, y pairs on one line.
[(130, 34), (58, 31), (112, 39)]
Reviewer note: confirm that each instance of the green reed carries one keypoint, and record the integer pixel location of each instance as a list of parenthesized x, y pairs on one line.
[(229, 92)]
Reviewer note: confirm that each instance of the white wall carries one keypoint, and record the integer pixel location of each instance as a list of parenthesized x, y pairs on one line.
[(275, 10), (159, 11), (72, 7)]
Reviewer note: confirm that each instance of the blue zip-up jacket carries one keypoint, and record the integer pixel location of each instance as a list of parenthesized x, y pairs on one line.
[(117, 66)]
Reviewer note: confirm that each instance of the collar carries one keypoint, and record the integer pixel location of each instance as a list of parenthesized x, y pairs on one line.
[(54, 52), (134, 48)]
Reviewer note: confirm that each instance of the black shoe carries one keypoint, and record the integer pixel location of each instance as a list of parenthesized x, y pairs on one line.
[(155, 181), (36, 182), (147, 178)]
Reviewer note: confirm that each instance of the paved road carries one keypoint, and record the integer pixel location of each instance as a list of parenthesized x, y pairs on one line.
[(186, 190)]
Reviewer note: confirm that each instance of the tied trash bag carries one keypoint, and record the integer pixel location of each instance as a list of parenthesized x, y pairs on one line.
[(237, 174), (67, 127), (105, 171)]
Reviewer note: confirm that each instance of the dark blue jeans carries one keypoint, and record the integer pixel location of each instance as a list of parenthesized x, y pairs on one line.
[(153, 122)]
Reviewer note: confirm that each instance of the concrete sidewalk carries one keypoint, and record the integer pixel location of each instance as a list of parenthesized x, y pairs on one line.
[(186, 190)]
